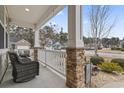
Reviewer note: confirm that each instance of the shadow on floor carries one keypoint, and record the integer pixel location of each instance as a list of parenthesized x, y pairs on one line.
[(46, 79)]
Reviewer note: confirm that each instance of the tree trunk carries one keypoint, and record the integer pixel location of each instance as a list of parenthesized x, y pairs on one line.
[(96, 47)]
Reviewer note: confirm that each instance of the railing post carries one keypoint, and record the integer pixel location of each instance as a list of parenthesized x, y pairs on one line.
[(53, 59), (45, 58)]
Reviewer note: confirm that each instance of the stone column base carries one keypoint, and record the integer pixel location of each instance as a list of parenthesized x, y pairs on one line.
[(75, 67), (35, 54)]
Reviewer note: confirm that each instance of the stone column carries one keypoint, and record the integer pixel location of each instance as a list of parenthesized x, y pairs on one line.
[(36, 45), (35, 54), (75, 51)]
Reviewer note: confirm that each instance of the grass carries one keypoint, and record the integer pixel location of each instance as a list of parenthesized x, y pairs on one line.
[(110, 51)]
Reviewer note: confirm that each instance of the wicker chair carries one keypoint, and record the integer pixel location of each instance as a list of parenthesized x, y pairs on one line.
[(23, 68)]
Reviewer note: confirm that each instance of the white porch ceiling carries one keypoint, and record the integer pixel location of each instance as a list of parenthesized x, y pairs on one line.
[(35, 18)]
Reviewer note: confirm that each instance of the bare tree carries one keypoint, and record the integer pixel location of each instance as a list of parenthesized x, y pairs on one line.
[(100, 25), (47, 34)]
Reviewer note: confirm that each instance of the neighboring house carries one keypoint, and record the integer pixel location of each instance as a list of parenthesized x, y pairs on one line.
[(23, 47), (49, 44), (57, 45), (121, 44), (23, 44), (19, 44), (91, 46), (12, 42)]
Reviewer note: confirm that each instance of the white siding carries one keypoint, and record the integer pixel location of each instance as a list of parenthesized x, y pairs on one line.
[(23, 47)]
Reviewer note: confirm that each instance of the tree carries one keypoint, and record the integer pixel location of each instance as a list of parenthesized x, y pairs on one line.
[(46, 33), (88, 41), (52, 33), (22, 33), (115, 42), (100, 26), (63, 37), (122, 45), (106, 42)]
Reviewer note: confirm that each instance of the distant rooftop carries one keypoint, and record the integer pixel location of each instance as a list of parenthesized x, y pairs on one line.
[(23, 42)]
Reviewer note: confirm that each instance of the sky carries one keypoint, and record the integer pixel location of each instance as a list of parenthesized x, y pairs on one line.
[(116, 14)]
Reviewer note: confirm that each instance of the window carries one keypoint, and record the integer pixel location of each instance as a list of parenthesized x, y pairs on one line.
[(2, 13), (6, 40)]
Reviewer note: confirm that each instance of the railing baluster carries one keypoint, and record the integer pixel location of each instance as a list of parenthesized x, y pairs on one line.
[(54, 59)]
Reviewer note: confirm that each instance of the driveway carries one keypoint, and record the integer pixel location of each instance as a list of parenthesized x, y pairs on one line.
[(106, 55), (114, 85)]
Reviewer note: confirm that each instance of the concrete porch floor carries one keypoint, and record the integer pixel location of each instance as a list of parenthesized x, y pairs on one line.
[(46, 79)]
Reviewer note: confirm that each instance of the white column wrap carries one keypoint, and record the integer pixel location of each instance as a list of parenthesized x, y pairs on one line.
[(75, 27), (37, 37)]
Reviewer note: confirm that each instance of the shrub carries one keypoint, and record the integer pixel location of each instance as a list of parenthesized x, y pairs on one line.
[(116, 48), (96, 60), (122, 49), (119, 61), (110, 67)]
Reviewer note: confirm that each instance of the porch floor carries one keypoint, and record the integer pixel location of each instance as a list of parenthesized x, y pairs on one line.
[(46, 79)]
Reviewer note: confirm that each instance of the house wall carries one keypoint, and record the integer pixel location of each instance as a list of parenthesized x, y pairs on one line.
[(3, 41), (1, 37), (3, 61), (2, 13), (4, 23), (23, 47)]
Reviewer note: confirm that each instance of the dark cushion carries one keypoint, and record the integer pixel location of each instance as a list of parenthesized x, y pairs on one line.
[(24, 60), (23, 68)]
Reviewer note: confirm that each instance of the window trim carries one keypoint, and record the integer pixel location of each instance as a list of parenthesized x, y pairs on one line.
[(4, 34)]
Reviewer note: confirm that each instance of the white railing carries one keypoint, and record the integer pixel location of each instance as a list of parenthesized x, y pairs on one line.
[(3, 61), (55, 59), (3, 51)]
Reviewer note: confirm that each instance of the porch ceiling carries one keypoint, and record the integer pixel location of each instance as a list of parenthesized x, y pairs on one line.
[(37, 15)]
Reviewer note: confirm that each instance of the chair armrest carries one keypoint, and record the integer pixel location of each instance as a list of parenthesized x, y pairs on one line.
[(25, 60)]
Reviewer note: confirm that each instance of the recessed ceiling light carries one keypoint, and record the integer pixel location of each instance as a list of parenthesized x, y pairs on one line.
[(27, 10)]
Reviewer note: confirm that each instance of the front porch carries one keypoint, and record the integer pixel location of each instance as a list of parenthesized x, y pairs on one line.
[(69, 63), (51, 74)]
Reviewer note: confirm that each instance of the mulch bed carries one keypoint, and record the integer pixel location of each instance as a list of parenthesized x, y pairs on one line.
[(103, 78)]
